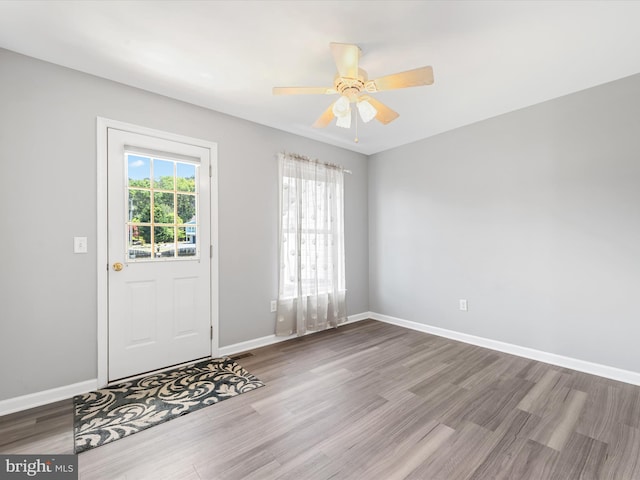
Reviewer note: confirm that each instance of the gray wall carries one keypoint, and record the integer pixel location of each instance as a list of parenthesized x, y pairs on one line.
[(48, 195), (533, 217)]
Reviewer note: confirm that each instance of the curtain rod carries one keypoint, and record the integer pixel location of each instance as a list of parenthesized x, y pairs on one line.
[(307, 159)]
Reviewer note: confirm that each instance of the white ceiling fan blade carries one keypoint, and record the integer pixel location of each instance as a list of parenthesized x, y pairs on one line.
[(410, 78), (325, 118), (304, 90), (346, 57), (384, 114)]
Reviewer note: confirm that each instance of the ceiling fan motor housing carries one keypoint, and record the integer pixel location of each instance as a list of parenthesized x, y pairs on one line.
[(351, 87)]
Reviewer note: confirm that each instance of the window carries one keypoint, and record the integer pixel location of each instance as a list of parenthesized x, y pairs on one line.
[(312, 276), (312, 229), (162, 208)]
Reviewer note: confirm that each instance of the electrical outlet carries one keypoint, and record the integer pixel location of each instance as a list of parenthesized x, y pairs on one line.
[(463, 304), (274, 306)]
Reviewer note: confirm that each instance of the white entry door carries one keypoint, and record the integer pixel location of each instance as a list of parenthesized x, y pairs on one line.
[(159, 237)]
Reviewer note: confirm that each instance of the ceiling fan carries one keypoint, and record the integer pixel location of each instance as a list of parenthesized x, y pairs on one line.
[(354, 86)]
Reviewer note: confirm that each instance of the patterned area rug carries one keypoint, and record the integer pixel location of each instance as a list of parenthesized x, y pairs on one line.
[(121, 410)]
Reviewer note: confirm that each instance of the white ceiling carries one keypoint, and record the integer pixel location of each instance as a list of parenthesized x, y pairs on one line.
[(489, 57)]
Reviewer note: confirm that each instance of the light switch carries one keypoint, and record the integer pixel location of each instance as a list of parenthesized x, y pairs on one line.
[(79, 244)]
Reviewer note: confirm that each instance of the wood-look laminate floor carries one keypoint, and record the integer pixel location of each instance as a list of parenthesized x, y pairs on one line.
[(374, 401)]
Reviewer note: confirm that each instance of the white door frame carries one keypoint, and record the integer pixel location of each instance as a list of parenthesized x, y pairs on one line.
[(102, 238)]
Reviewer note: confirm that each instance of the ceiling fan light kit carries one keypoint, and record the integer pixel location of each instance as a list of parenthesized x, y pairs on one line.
[(353, 86), (341, 109)]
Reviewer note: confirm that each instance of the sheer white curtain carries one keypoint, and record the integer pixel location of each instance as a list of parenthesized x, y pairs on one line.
[(312, 279)]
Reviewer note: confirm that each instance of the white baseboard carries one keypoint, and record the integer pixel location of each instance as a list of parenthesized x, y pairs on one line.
[(271, 339), (24, 402), (358, 317), (600, 370)]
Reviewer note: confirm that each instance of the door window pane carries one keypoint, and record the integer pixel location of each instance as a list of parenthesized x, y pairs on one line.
[(163, 174), (164, 242), (187, 241), (139, 206), (186, 208), (139, 244), (163, 207), (139, 171), (186, 177)]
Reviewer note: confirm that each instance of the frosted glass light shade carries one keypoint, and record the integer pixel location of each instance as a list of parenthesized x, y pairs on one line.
[(344, 120), (367, 111), (341, 107)]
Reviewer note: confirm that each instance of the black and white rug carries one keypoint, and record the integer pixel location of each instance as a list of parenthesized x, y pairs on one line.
[(121, 410)]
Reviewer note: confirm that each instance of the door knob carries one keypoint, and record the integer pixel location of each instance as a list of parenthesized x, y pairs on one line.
[(118, 266)]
